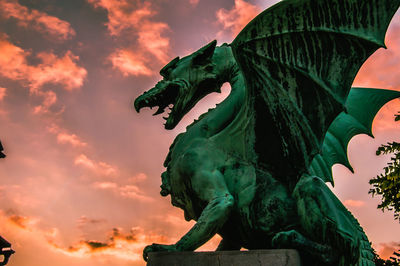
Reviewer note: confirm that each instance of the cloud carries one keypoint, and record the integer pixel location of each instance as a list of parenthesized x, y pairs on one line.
[(52, 69), (385, 250), (99, 167), (71, 139), (49, 99), (194, 2), (132, 20), (129, 63), (126, 191), (22, 222), (84, 220), (381, 70), (123, 14), (150, 39), (63, 137), (37, 20), (235, 19), (58, 70), (138, 178), (85, 161), (133, 192), (2, 93), (118, 244), (354, 203)]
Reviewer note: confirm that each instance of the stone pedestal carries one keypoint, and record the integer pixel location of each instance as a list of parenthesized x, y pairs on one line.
[(270, 257)]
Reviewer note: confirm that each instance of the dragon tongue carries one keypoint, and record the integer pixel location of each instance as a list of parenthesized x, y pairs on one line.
[(159, 111)]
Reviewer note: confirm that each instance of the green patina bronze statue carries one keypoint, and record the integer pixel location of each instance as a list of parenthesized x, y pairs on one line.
[(253, 170)]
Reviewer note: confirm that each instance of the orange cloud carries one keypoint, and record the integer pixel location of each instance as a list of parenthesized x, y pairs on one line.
[(354, 203), (124, 246), (37, 20), (133, 18), (59, 70), (100, 168), (386, 250), (22, 222), (19, 221), (235, 19), (52, 70), (2, 93)]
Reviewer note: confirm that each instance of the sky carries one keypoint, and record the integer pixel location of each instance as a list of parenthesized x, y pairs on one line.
[(80, 183)]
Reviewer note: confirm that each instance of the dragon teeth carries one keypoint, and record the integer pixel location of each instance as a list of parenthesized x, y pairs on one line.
[(159, 111)]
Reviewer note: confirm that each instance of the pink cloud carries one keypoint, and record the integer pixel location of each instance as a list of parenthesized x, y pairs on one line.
[(138, 178), (52, 70), (133, 192), (194, 2), (100, 168), (382, 70), (235, 19), (2, 93), (125, 191), (72, 139), (133, 18), (105, 185), (58, 70), (83, 160), (129, 63), (37, 20), (49, 99), (63, 137), (354, 203), (13, 63), (123, 14), (151, 40)]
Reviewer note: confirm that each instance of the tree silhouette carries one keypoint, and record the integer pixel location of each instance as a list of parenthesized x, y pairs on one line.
[(388, 184)]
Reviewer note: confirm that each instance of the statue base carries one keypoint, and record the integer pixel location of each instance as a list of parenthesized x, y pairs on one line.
[(268, 257)]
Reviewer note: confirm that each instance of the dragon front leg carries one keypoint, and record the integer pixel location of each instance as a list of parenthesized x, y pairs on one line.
[(210, 187)]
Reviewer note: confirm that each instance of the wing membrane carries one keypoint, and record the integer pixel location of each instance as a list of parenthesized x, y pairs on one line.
[(362, 105), (300, 59)]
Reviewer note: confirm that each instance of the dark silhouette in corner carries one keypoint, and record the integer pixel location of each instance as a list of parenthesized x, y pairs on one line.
[(5, 246)]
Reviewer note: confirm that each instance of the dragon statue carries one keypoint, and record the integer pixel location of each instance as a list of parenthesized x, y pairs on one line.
[(254, 169)]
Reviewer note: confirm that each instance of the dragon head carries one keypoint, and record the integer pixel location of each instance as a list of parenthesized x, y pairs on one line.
[(185, 82)]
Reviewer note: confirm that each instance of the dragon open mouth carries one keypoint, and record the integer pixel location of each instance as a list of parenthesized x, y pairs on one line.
[(163, 95)]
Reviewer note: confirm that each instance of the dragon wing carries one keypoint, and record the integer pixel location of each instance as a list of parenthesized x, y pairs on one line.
[(299, 59), (362, 105)]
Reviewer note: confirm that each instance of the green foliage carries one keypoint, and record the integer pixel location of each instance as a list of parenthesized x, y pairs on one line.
[(388, 184)]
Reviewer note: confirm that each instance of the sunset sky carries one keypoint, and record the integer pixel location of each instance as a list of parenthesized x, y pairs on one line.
[(80, 183)]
